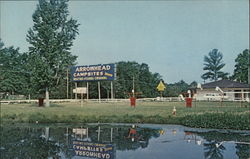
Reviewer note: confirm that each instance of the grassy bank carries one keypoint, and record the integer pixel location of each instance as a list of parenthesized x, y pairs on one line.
[(202, 114)]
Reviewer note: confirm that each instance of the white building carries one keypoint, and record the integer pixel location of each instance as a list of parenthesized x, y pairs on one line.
[(223, 89)]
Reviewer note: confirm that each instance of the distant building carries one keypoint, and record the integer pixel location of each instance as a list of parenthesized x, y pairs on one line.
[(226, 89)]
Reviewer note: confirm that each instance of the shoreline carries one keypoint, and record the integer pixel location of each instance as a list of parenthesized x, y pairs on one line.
[(196, 121), (186, 128), (203, 115)]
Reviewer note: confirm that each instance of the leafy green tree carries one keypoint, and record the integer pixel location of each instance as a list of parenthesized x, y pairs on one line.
[(173, 90), (213, 64), (193, 84), (241, 67), (13, 75), (145, 82), (51, 38)]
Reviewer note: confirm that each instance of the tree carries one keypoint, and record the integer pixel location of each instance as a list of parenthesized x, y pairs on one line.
[(241, 67), (175, 89), (193, 84), (14, 78), (51, 38), (213, 65), (145, 82)]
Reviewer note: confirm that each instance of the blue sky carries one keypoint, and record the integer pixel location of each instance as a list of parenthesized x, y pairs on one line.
[(172, 37)]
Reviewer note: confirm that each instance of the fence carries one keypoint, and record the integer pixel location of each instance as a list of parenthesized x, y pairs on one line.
[(158, 99)]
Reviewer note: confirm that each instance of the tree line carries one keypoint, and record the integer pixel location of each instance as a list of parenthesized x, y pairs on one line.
[(43, 69)]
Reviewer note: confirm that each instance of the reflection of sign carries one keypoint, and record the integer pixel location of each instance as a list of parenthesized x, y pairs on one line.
[(93, 72), (80, 90), (93, 150), (79, 131), (161, 132)]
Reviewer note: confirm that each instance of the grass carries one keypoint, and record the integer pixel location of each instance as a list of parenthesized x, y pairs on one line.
[(231, 115)]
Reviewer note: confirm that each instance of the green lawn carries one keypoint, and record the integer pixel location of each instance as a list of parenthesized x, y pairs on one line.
[(144, 112)]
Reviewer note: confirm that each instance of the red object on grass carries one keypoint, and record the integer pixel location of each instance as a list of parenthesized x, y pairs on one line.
[(132, 101), (189, 102), (40, 102)]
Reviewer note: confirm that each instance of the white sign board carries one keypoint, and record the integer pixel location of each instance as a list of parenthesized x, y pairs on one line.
[(79, 131), (80, 90)]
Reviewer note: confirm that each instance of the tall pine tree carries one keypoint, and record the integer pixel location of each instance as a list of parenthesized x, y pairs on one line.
[(213, 64), (51, 38)]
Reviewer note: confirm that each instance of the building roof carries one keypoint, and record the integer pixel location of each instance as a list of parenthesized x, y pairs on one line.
[(225, 84)]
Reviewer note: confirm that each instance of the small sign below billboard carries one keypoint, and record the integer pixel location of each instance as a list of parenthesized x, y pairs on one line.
[(80, 131), (80, 90), (104, 72)]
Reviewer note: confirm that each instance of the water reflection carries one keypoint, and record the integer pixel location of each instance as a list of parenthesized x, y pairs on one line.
[(120, 141), (215, 144)]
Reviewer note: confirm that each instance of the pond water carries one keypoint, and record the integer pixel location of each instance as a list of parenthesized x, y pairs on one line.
[(121, 141)]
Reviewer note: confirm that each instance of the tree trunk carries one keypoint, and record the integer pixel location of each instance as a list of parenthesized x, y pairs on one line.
[(47, 104)]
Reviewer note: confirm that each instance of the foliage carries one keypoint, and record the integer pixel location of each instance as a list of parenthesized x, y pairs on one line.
[(213, 64), (145, 82), (218, 120), (241, 67), (51, 38), (14, 78), (193, 84), (181, 87)]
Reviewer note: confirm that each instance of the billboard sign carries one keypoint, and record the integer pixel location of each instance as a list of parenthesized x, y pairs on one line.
[(93, 150), (101, 72)]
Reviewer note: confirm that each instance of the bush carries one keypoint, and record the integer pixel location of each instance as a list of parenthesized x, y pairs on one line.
[(218, 120)]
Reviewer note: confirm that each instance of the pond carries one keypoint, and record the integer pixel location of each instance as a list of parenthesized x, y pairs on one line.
[(121, 141)]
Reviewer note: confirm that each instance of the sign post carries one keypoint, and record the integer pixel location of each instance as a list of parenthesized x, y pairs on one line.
[(112, 93), (87, 90), (99, 91), (81, 91)]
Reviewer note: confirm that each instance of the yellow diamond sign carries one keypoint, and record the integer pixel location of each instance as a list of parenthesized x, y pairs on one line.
[(161, 87)]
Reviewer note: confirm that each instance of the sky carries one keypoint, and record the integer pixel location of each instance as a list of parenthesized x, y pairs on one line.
[(171, 36)]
